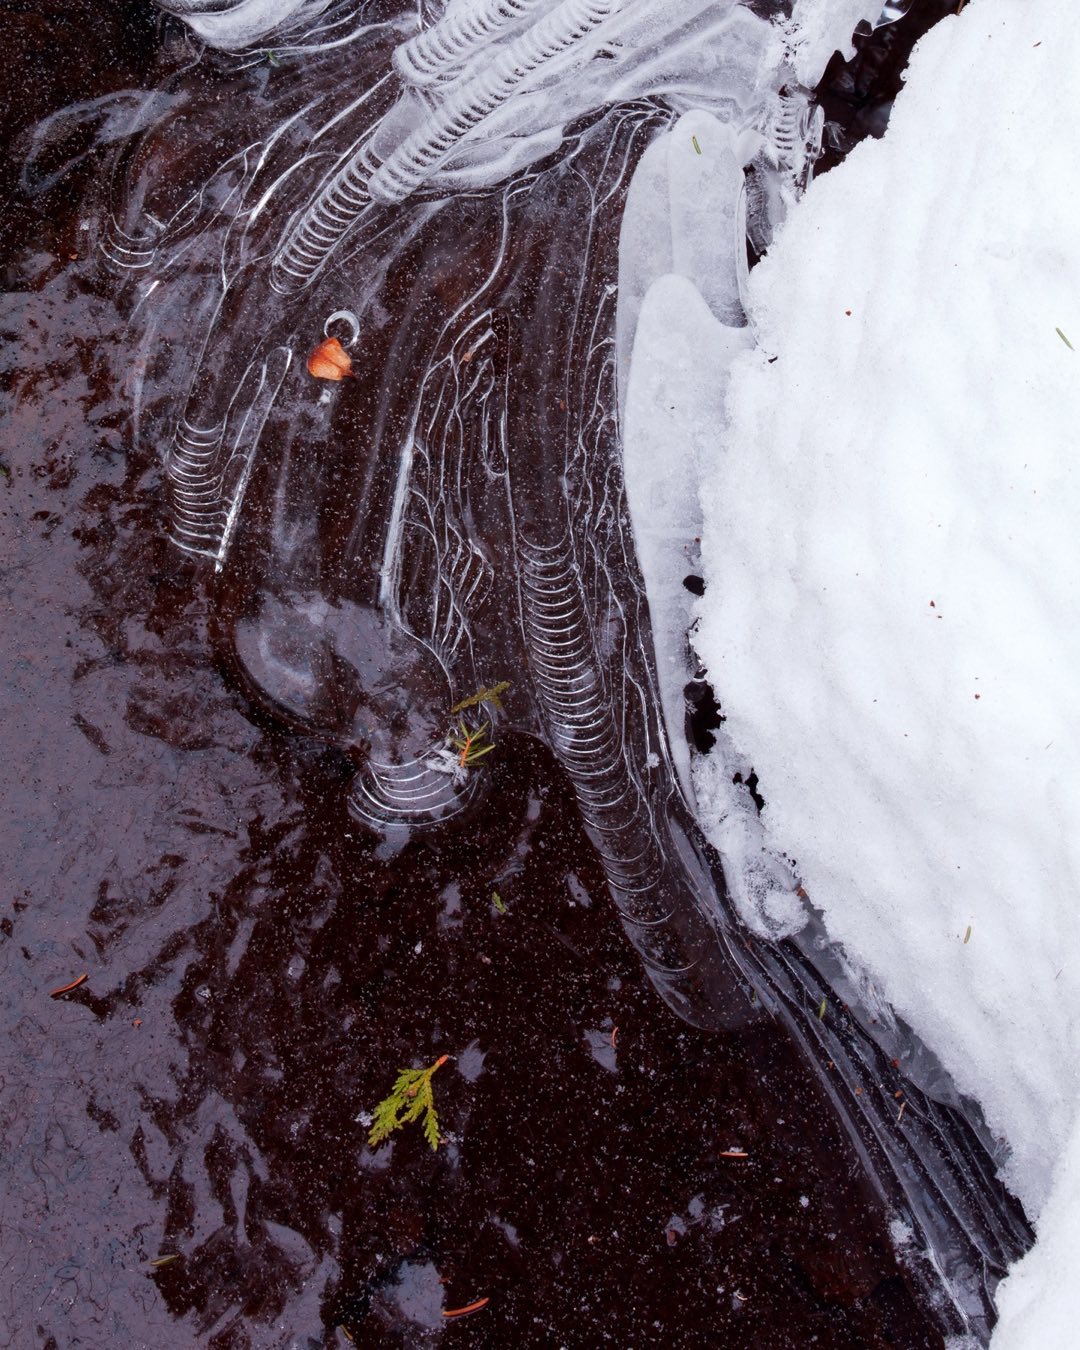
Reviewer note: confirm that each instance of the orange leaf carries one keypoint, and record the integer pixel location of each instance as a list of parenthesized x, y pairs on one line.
[(67, 988), (469, 1308), (329, 361)]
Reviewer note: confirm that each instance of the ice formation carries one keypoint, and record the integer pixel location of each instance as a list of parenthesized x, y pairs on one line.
[(526, 220), (891, 558)]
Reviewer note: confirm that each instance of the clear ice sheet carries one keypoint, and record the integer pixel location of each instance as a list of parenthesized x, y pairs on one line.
[(487, 203)]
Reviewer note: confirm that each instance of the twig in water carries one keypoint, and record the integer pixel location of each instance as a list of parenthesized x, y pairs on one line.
[(67, 988), (411, 1099), (469, 1308)]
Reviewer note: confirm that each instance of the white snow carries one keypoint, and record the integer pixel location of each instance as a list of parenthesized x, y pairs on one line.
[(820, 27), (890, 544)]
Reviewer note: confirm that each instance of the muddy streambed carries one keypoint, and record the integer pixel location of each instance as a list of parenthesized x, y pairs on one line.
[(258, 969)]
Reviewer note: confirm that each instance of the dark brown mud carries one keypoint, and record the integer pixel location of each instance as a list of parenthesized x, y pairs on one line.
[(258, 971)]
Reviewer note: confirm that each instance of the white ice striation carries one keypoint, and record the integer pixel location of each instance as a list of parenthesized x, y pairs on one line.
[(242, 22), (493, 86)]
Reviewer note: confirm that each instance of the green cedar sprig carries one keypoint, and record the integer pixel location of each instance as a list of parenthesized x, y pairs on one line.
[(411, 1099), (483, 695)]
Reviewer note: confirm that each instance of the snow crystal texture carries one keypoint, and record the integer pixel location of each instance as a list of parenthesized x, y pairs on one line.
[(890, 545)]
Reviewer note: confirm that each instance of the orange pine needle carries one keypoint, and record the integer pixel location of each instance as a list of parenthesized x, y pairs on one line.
[(614, 1035), (469, 1308), (734, 1153), (330, 361), (67, 988), (466, 748)]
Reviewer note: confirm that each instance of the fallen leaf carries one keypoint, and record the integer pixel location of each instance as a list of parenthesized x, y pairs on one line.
[(329, 361)]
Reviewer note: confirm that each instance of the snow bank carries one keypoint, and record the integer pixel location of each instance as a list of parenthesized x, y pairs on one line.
[(890, 545), (820, 27)]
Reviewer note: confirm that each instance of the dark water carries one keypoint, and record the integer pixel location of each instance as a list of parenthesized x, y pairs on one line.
[(258, 973)]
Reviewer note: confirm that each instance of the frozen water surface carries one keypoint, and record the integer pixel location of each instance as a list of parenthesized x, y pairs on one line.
[(519, 228)]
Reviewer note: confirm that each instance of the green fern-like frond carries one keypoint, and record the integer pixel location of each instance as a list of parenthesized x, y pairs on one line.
[(411, 1099)]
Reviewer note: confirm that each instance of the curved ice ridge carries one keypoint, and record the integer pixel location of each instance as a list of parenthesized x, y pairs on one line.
[(433, 53), (365, 180), (412, 793), (430, 145), (237, 23)]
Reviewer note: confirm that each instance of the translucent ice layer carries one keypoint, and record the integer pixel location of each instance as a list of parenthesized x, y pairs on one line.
[(492, 208)]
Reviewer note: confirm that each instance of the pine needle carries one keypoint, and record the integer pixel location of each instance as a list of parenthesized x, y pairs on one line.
[(498, 902), (469, 1308), (1064, 339), (67, 988), (697, 148), (411, 1099), (483, 695), (821, 1009), (967, 935)]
